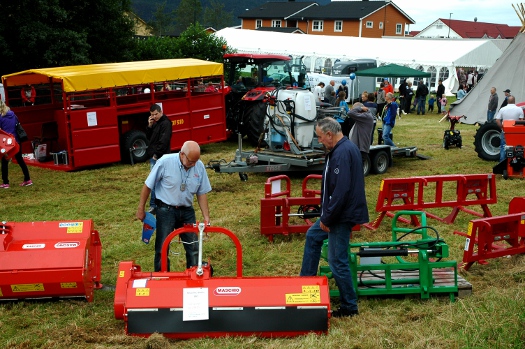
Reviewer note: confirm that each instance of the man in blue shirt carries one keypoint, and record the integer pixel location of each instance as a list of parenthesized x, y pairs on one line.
[(176, 178), (389, 119), (343, 205)]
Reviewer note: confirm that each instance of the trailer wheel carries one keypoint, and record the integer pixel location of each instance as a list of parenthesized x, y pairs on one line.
[(254, 121), (487, 141), (380, 162), (366, 165), (137, 141)]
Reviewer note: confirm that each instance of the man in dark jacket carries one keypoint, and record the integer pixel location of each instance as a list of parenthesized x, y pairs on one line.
[(159, 135), (343, 205), (439, 94), (421, 97)]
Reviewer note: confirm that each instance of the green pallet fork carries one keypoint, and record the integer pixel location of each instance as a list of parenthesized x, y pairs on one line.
[(379, 269)]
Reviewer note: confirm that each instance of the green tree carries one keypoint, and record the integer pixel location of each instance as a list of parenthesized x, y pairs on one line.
[(216, 17), (156, 48), (189, 12), (163, 21), (46, 33), (195, 42)]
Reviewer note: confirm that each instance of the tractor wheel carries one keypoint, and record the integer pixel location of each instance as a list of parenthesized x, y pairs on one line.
[(366, 165), (505, 174), (380, 162), (487, 141), (254, 121), (137, 141), (445, 142)]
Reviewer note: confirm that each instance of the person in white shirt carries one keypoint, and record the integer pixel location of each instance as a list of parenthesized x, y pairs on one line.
[(319, 92), (510, 112)]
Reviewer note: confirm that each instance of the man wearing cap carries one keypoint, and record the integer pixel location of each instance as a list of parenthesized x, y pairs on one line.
[(505, 101), (510, 112)]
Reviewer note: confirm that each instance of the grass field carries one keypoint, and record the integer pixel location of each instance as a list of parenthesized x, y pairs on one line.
[(493, 316)]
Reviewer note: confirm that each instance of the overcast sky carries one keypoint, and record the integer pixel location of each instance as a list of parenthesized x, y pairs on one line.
[(490, 11)]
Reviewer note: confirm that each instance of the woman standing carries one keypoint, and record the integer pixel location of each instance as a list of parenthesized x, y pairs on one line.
[(8, 121)]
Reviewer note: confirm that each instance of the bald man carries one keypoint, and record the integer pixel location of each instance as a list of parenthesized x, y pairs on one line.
[(177, 178)]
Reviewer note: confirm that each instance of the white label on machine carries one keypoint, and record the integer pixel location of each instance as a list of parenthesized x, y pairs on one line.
[(276, 187), (195, 304), (33, 246), (467, 244), (91, 118), (307, 102), (139, 283)]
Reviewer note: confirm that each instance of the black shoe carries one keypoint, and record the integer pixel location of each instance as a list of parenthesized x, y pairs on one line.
[(344, 313)]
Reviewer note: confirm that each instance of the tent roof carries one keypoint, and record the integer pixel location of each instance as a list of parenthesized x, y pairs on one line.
[(393, 71), (507, 73), (431, 52), (98, 76)]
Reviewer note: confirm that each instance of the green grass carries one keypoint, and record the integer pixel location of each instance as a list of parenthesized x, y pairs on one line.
[(492, 317)]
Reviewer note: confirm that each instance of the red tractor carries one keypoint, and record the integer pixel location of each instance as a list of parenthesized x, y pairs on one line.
[(250, 78)]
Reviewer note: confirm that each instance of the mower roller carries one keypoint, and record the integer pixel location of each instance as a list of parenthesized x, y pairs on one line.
[(192, 303), (53, 259), (380, 269)]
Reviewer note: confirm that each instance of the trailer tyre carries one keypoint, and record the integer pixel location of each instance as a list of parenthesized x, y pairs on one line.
[(487, 141), (366, 165), (380, 162), (254, 121), (136, 140)]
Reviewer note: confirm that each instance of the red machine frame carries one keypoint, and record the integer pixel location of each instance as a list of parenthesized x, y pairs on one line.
[(52, 259), (495, 237), (152, 302)]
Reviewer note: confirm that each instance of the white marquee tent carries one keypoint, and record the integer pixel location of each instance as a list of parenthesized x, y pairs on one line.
[(437, 56)]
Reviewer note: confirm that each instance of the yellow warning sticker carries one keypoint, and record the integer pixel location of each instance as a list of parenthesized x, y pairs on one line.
[(27, 287), (311, 289), (68, 285), (121, 273), (1, 295), (303, 298), (469, 231), (142, 292), (72, 227)]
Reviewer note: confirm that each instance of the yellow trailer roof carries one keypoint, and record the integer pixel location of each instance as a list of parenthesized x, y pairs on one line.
[(99, 76)]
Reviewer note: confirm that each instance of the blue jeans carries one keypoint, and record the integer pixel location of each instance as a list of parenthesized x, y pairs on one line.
[(169, 219), (502, 144), (421, 105), (387, 129), (490, 115), (338, 241), (152, 163)]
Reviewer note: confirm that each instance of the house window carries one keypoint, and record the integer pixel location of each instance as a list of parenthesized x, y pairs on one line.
[(338, 26), (433, 75), (317, 26), (399, 28), (276, 23), (258, 23), (369, 24), (439, 26), (380, 25)]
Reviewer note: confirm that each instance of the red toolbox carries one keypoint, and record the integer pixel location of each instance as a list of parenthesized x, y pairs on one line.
[(8, 145), (52, 259)]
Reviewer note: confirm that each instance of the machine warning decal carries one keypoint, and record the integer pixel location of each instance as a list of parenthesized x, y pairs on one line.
[(1, 295), (142, 292), (469, 231), (71, 244), (72, 227), (121, 273), (68, 285), (33, 246), (27, 287), (227, 291), (311, 294)]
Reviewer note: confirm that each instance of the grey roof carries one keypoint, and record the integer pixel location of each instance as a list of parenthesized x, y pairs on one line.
[(277, 9), (341, 10)]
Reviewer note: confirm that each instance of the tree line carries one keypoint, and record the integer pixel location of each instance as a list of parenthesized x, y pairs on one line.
[(50, 33)]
